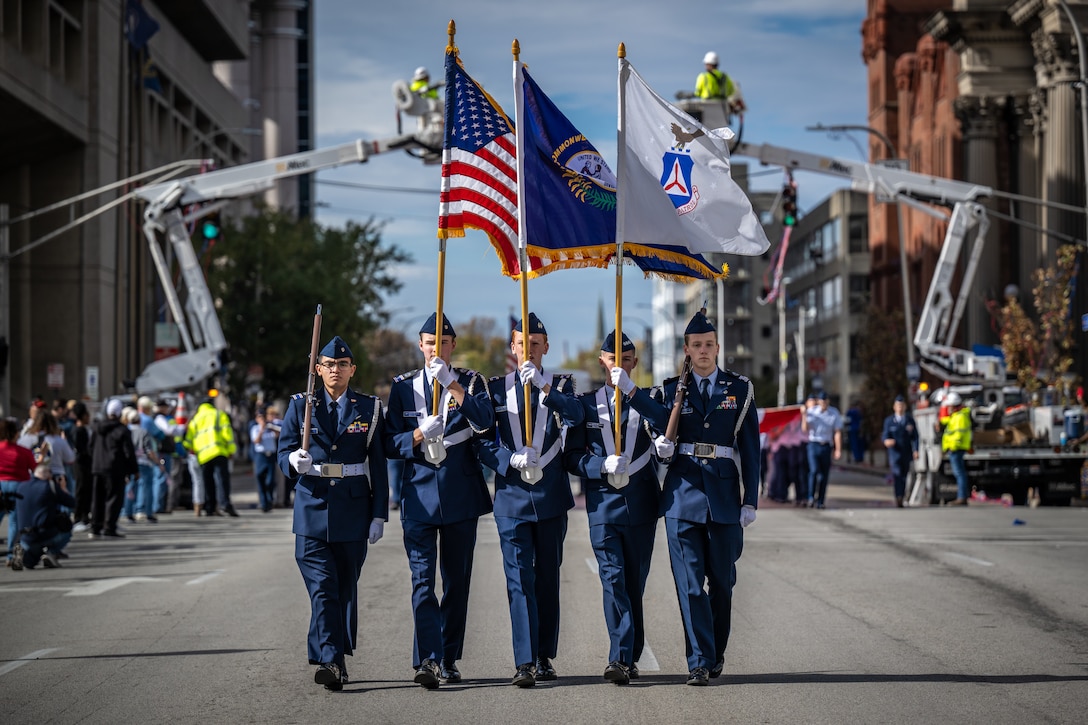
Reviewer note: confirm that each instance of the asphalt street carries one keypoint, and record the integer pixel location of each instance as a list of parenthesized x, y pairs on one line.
[(860, 613)]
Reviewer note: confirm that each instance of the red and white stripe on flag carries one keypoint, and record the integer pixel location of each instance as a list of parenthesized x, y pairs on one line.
[(774, 419)]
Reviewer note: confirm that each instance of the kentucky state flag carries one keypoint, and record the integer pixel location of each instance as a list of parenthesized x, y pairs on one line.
[(569, 195)]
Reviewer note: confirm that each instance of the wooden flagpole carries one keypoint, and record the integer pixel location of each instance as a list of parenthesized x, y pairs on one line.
[(523, 254), (621, 53)]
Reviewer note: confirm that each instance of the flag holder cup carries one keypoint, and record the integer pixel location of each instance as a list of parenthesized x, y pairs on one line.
[(531, 475), (434, 451)]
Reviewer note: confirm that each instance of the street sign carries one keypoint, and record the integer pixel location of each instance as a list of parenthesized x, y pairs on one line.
[(90, 383), (54, 375), (817, 364)]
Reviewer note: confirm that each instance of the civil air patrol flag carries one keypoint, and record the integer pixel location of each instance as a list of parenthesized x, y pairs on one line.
[(675, 182), (569, 195)]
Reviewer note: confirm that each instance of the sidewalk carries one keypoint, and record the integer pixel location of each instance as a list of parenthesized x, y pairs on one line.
[(854, 485)]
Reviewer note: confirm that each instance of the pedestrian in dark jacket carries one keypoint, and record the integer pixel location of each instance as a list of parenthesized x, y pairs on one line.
[(113, 459)]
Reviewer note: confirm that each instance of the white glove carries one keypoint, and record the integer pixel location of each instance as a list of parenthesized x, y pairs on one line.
[(622, 381), (441, 372), (529, 374), (664, 447), (614, 464), (525, 458), (300, 461), (747, 515), (431, 426), (377, 528)]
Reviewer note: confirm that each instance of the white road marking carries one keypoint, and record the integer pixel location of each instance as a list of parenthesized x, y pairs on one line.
[(647, 662), (17, 663), (206, 577), (93, 589), (973, 560)]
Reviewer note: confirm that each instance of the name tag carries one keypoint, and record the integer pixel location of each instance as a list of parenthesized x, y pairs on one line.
[(500, 408), (412, 414), (595, 426), (686, 409)]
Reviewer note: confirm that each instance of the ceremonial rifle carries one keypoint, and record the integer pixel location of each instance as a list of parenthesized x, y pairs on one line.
[(311, 381), (678, 399)]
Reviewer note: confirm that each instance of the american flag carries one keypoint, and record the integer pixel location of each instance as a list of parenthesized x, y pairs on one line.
[(479, 168)]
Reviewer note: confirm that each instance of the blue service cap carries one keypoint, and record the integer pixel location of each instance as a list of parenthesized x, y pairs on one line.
[(900, 399), (822, 395), (698, 325), (536, 327), (336, 348), (429, 325), (609, 344)]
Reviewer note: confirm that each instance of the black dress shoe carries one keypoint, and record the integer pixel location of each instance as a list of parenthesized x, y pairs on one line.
[(716, 670), (231, 512), (343, 675), (544, 670), (699, 677), (449, 671), (632, 671), (328, 674), (113, 534), (525, 676), (617, 673), (428, 675)]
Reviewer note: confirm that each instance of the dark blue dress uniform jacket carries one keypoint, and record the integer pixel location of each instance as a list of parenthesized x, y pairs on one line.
[(905, 435), (709, 489), (338, 509), (590, 443), (454, 490), (551, 495)]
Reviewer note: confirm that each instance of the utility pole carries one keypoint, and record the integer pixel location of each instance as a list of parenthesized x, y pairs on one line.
[(802, 313), (5, 310), (783, 356)]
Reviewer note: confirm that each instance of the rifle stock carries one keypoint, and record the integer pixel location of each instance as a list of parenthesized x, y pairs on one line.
[(311, 380), (678, 399)]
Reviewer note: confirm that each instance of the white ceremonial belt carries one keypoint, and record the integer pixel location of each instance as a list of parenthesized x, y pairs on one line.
[(340, 470), (459, 437), (705, 450)]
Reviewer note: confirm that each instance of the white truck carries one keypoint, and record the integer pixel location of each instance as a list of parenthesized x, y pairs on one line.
[(1018, 444), (172, 205)]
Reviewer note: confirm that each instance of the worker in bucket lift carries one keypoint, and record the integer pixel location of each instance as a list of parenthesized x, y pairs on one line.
[(716, 84)]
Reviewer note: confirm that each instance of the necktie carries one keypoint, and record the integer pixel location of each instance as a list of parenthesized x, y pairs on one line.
[(428, 393), (704, 389), (334, 414)]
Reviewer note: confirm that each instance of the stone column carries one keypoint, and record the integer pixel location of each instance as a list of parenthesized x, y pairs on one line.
[(978, 119), (279, 90)]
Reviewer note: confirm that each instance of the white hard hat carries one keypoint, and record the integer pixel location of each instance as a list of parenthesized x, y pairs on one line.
[(953, 399), (711, 58), (420, 74)]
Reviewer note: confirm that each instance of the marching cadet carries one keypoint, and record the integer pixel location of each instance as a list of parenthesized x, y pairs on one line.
[(341, 502), (622, 499), (710, 491), (532, 497), (441, 500)]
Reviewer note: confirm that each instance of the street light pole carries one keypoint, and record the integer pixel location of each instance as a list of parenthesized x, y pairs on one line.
[(904, 277), (783, 357)]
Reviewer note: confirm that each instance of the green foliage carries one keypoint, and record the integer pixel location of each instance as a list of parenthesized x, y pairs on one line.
[(480, 347), (882, 353), (267, 278)]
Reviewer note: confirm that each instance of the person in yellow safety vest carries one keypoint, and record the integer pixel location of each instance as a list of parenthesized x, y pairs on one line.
[(210, 435), (956, 441), (421, 84), (715, 84)]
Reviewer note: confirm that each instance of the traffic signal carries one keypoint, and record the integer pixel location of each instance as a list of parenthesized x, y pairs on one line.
[(789, 203), (209, 227)]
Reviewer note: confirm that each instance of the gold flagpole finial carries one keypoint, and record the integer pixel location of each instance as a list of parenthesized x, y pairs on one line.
[(515, 49), (621, 52), (451, 30)]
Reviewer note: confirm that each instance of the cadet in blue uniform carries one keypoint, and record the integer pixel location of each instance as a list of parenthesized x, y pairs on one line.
[(341, 501), (532, 497), (441, 502), (900, 436), (622, 499), (710, 492)]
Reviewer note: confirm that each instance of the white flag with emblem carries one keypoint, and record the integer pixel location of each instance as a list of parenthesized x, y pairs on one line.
[(674, 185)]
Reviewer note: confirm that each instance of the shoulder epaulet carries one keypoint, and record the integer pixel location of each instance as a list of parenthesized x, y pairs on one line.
[(564, 383), (466, 371), (298, 396), (406, 376), (495, 378), (669, 381), (737, 375)]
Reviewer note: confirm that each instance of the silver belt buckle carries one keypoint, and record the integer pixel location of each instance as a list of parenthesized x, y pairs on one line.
[(705, 450), (332, 470)]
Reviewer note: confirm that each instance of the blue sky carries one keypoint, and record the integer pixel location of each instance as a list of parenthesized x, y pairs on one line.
[(798, 62)]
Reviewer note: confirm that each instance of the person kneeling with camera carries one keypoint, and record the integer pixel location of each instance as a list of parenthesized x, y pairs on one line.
[(45, 529)]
